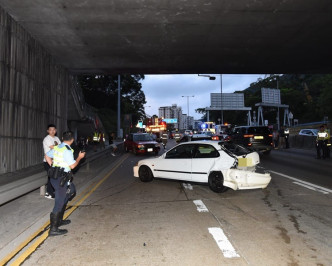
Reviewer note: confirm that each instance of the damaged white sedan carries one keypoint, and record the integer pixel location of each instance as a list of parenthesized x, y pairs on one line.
[(220, 165)]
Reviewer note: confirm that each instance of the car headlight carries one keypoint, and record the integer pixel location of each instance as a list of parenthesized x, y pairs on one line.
[(140, 146)]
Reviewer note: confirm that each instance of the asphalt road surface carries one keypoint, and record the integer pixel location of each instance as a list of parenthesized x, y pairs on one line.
[(118, 220)]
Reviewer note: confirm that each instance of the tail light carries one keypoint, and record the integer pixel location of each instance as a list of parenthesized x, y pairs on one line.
[(270, 135), (248, 136), (249, 144)]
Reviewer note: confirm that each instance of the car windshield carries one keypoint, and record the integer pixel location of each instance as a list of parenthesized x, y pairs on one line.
[(258, 130), (143, 137)]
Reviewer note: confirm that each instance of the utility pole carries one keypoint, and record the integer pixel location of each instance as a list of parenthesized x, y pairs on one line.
[(222, 112), (119, 97), (188, 109)]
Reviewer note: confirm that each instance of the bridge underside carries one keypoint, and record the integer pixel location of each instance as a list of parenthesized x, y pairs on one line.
[(153, 37)]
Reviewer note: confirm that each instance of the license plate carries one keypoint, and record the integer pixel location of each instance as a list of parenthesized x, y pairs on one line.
[(258, 137), (150, 149)]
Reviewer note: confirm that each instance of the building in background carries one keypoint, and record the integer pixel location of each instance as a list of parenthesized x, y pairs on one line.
[(170, 112)]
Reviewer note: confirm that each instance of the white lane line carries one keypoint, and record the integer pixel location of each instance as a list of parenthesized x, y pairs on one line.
[(312, 186), (309, 187), (187, 186), (223, 242), (200, 206)]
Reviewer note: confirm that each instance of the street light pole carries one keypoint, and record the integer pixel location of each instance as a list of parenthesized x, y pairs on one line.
[(188, 109), (222, 112), (119, 97)]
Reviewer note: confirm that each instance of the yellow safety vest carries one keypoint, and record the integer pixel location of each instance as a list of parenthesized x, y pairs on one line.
[(95, 136), (322, 135), (58, 160)]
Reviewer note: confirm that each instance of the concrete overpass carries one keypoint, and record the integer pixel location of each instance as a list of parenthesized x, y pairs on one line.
[(212, 36), (44, 43)]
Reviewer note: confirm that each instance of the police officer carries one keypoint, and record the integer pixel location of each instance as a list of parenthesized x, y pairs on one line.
[(328, 144), (177, 136), (164, 139), (322, 139), (286, 133), (62, 160)]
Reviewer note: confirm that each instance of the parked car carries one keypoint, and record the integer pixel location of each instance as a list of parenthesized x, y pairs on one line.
[(188, 132), (308, 132), (206, 162), (258, 138), (141, 143)]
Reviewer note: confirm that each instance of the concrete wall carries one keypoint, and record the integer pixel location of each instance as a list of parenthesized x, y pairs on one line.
[(33, 93)]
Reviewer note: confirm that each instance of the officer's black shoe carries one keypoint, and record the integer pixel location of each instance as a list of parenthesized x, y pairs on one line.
[(63, 222), (55, 221)]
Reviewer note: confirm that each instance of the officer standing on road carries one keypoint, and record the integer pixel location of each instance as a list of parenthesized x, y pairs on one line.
[(322, 139), (286, 133), (328, 144), (60, 173), (164, 139), (177, 136)]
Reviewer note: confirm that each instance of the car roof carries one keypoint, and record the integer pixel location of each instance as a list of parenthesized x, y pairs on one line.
[(211, 142)]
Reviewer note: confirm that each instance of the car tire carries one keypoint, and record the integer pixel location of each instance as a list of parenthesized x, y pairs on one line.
[(267, 152), (156, 153), (145, 174), (216, 182)]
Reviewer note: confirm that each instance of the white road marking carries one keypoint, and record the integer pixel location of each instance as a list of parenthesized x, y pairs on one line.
[(200, 206), (223, 242), (305, 184), (187, 186), (309, 187)]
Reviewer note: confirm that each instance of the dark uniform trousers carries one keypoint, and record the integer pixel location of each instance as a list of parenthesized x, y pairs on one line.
[(62, 194), (322, 145)]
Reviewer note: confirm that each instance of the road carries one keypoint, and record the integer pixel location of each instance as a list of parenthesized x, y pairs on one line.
[(118, 220)]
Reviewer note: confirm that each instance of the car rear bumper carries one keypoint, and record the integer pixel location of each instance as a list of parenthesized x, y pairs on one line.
[(242, 179)]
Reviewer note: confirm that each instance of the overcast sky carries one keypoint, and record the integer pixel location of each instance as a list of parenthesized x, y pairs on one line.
[(165, 90)]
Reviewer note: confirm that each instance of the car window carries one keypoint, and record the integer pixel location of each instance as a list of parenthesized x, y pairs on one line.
[(206, 151), (258, 130), (180, 152), (143, 137)]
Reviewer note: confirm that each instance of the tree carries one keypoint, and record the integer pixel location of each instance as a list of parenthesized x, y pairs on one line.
[(101, 92)]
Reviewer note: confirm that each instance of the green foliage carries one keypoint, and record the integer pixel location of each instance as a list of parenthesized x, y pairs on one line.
[(309, 98), (101, 92)]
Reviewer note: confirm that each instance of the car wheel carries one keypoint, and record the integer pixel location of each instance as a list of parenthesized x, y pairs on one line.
[(156, 153), (216, 182), (145, 174), (267, 152)]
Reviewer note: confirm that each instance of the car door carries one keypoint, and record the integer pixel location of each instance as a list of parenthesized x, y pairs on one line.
[(203, 160), (176, 164)]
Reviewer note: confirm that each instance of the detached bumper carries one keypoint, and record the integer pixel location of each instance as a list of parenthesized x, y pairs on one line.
[(242, 179)]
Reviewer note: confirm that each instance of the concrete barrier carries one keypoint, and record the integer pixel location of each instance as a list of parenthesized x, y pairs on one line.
[(302, 142), (17, 188)]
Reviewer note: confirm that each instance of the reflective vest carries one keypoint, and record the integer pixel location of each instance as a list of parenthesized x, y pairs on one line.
[(286, 131), (58, 160), (164, 136), (322, 135), (95, 136)]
